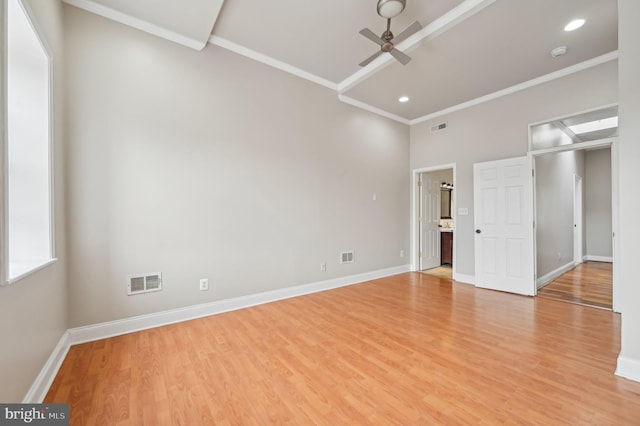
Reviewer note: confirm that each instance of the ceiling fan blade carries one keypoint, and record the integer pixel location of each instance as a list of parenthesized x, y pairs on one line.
[(401, 57), (370, 58), (371, 36), (407, 32)]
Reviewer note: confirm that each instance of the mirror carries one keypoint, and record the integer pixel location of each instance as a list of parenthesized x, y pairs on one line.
[(445, 203)]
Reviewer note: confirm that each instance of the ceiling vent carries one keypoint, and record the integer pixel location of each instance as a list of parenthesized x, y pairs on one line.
[(346, 257), (144, 283), (438, 127)]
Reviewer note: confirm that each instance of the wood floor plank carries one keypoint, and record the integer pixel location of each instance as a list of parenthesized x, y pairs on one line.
[(590, 284), (407, 349)]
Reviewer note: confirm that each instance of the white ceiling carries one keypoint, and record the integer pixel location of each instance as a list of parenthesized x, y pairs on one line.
[(468, 49)]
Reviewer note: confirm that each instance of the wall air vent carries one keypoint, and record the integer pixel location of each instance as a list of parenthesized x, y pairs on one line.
[(438, 127), (144, 283), (346, 257)]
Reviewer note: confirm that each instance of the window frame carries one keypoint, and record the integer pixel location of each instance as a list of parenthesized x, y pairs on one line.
[(5, 280)]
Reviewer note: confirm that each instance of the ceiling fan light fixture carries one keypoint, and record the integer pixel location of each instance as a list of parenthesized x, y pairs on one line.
[(390, 8)]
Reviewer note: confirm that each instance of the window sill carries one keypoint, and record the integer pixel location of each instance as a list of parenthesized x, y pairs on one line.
[(31, 269)]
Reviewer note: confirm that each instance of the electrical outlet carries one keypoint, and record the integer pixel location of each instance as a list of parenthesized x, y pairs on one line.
[(204, 284), (401, 253), (323, 266)]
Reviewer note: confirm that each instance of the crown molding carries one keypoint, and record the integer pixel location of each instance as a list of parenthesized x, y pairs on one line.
[(272, 62), (371, 108), (599, 60), (140, 24)]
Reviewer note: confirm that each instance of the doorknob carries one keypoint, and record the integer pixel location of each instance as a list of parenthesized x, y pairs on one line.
[(478, 231)]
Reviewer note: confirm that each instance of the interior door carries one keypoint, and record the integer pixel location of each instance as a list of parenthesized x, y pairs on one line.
[(503, 220), (577, 219), (429, 222)]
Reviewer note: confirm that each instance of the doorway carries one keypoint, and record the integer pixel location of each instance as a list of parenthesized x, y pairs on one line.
[(434, 221), (575, 207)]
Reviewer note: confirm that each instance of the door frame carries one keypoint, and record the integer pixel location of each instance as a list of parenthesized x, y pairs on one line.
[(611, 142), (578, 213), (415, 211)]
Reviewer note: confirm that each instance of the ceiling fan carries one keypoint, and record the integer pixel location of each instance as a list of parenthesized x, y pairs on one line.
[(390, 9)]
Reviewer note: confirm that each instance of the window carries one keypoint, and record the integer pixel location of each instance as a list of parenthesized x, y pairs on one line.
[(27, 243)]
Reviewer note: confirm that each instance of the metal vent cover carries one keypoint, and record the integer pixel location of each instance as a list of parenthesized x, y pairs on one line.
[(144, 283), (439, 127), (347, 257)]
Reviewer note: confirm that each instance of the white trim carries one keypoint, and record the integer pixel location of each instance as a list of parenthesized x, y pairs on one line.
[(143, 322), (370, 108), (444, 23), (4, 238), (415, 177), (31, 271), (599, 143), (608, 57), (41, 385), (464, 279), (594, 258), (142, 25), (547, 278), (615, 245), (267, 60), (628, 368)]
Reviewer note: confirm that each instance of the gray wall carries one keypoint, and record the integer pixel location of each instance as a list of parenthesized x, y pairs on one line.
[(208, 164), (33, 312), (498, 129), (598, 202), (554, 208), (629, 176)]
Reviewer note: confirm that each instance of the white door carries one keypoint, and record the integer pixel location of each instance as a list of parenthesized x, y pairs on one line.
[(503, 221), (429, 222), (577, 219)]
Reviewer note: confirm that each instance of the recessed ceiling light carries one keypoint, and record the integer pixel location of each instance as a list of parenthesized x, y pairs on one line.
[(574, 25), (403, 99)]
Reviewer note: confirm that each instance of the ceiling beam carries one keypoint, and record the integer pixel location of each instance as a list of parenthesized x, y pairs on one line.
[(444, 23)]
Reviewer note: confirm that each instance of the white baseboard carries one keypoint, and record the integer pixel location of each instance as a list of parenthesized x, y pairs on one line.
[(594, 258), (89, 333), (465, 279), (43, 382), (547, 278), (628, 368), (128, 325)]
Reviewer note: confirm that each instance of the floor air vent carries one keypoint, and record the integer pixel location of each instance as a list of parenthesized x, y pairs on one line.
[(346, 257), (144, 283)]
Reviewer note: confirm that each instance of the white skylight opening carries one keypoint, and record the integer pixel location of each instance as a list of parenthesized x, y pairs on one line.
[(593, 126), (403, 99), (574, 25)]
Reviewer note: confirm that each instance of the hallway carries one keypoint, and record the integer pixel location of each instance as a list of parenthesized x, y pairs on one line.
[(588, 284)]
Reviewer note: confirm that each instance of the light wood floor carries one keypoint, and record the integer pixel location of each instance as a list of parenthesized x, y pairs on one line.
[(440, 271), (409, 349), (590, 284)]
